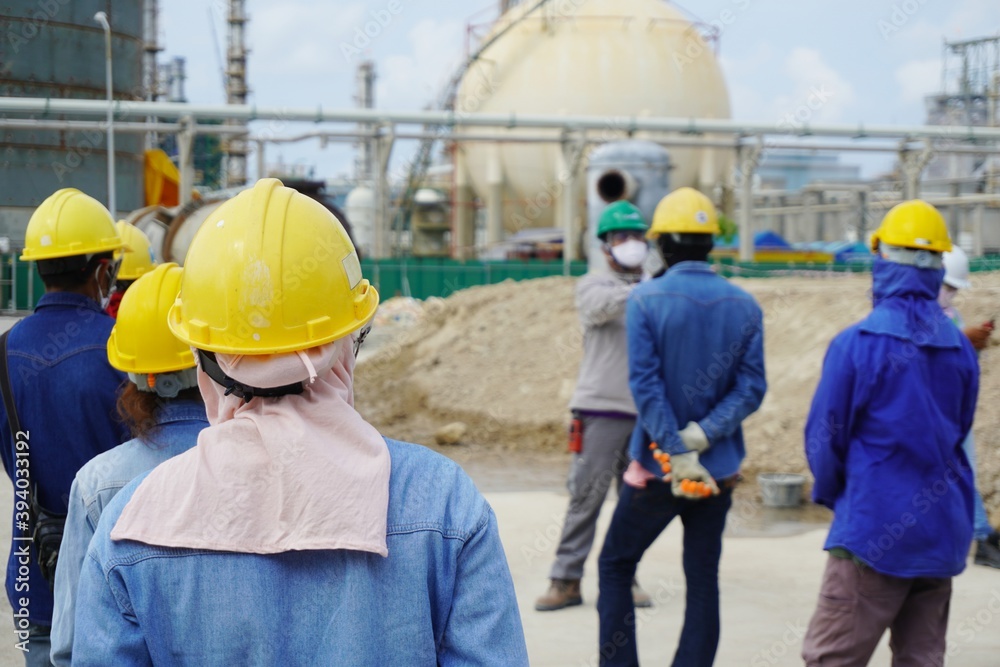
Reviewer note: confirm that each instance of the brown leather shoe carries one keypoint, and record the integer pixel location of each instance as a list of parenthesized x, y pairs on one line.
[(562, 593), (640, 598)]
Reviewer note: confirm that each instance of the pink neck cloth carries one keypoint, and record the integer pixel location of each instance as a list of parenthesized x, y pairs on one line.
[(282, 474)]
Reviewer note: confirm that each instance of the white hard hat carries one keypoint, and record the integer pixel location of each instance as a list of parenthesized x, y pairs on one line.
[(956, 268)]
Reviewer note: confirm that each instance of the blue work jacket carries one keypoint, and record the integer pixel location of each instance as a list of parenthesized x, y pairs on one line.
[(885, 431), (178, 423), (65, 392), (443, 595), (695, 353)]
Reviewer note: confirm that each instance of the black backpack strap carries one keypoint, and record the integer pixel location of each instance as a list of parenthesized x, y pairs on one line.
[(8, 391), (44, 528)]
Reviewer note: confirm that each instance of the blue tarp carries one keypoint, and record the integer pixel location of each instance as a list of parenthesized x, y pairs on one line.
[(764, 239)]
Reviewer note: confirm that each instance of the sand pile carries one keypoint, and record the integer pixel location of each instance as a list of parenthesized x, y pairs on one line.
[(503, 359)]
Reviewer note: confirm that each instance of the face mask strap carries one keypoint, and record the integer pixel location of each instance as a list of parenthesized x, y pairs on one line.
[(112, 274)]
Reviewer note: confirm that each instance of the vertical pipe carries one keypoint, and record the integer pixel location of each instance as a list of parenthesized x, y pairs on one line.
[(102, 19), (977, 230), (566, 172), (383, 147), (185, 150), (494, 198), (261, 160), (863, 216), (748, 156), (465, 218), (13, 281)]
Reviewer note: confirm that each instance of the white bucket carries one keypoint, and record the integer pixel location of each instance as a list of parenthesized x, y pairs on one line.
[(780, 489)]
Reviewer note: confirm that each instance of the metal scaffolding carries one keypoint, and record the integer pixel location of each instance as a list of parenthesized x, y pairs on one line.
[(235, 147)]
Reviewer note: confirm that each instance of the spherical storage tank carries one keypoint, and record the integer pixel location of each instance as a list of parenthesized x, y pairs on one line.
[(615, 58), (55, 49)]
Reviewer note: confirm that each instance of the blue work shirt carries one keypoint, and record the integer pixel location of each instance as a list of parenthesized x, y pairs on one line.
[(695, 354), (178, 423), (884, 435), (65, 392), (443, 595)]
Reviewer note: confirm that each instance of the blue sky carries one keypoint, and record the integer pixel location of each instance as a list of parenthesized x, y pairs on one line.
[(878, 57)]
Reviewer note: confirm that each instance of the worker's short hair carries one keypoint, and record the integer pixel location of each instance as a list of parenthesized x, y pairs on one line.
[(67, 273)]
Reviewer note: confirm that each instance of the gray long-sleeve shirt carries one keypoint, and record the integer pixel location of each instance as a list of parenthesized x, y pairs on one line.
[(603, 382)]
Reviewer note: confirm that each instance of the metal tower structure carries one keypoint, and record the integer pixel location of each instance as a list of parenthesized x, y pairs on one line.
[(150, 52), (364, 97), (235, 147), (151, 49), (970, 91), (971, 77)]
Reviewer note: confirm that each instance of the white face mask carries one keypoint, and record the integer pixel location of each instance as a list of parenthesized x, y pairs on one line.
[(630, 254)]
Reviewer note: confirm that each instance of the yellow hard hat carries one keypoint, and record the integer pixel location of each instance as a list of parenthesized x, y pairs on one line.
[(684, 211), (69, 223), (138, 258), (141, 341), (270, 271), (913, 224)]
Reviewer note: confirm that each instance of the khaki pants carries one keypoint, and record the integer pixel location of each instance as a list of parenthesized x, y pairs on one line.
[(857, 605)]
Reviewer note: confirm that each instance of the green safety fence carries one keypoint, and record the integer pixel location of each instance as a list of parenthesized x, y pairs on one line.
[(426, 277), (20, 286)]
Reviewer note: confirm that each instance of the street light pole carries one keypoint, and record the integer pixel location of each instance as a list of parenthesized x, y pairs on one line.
[(102, 19)]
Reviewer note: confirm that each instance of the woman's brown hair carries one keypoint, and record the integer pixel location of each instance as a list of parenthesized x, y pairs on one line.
[(138, 408)]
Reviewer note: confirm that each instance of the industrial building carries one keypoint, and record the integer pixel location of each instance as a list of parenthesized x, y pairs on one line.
[(503, 149)]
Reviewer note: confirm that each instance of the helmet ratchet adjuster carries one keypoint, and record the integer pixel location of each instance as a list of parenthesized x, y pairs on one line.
[(210, 365)]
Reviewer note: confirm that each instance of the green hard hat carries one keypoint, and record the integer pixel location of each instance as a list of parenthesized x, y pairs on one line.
[(621, 216)]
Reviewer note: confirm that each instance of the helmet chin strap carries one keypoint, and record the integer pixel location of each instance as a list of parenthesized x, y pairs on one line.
[(210, 365)]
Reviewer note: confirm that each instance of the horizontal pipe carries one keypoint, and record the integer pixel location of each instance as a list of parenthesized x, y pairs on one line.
[(852, 207), (244, 112), (347, 136), (675, 142), (126, 127)]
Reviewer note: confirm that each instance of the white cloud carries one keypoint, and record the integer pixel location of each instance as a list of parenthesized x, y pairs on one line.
[(747, 101), (820, 93), (974, 18), (918, 34), (918, 78), (415, 79), (295, 38)]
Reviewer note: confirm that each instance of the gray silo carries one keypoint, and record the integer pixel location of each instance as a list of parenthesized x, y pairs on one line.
[(55, 49)]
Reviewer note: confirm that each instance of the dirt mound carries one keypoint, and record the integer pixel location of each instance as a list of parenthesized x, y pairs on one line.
[(503, 359)]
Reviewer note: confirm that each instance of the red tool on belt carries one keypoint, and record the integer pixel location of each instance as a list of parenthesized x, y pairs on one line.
[(576, 434)]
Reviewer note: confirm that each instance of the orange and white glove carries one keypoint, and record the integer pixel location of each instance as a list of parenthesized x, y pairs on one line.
[(690, 479)]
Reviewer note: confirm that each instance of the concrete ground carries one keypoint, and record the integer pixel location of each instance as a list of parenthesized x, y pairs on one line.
[(769, 587)]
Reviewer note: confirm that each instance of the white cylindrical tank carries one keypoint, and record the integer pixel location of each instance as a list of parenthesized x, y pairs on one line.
[(616, 58), (360, 209)]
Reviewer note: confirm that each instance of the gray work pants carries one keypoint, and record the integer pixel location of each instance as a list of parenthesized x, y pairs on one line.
[(604, 458), (857, 605)]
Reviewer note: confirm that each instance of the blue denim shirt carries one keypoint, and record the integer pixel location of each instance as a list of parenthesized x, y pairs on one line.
[(696, 353), (178, 424), (65, 392), (443, 596)]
